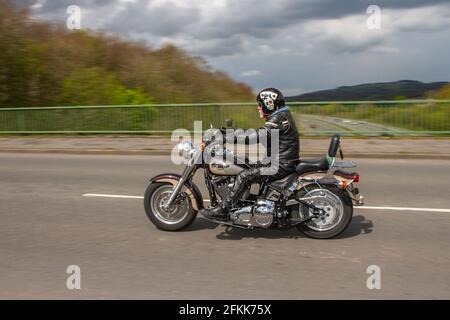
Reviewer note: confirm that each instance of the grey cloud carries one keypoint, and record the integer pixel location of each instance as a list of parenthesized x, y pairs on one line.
[(251, 17), (163, 20), (325, 9), (421, 58), (217, 47), (50, 6), (262, 19)]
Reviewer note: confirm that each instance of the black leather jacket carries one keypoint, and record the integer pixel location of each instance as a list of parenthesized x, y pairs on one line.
[(289, 143)]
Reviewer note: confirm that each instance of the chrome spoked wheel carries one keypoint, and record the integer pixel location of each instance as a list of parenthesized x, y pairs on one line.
[(176, 217), (331, 205), (175, 213), (337, 206)]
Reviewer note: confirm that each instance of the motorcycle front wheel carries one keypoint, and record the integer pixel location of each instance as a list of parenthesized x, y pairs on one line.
[(177, 216), (338, 208)]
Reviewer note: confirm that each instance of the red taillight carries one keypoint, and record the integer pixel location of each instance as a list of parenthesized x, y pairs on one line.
[(356, 178)]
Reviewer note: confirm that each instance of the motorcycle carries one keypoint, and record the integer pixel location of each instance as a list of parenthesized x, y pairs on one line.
[(317, 198)]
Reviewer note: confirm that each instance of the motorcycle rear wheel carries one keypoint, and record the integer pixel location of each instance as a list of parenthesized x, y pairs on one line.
[(338, 208)]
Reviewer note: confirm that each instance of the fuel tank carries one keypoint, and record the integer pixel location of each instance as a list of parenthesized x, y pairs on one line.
[(224, 168)]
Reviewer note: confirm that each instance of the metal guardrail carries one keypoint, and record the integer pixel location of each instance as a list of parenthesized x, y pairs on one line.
[(357, 118)]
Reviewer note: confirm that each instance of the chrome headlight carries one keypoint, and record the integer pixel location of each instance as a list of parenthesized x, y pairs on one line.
[(186, 149)]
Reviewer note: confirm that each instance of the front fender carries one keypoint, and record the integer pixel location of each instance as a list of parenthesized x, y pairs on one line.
[(189, 187)]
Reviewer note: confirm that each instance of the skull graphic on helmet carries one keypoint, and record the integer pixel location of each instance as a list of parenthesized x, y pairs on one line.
[(268, 99)]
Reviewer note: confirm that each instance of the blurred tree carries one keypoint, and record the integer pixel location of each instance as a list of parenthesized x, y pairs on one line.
[(95, 86)]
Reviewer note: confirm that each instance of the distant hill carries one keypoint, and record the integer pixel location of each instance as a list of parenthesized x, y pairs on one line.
[(404, 89)]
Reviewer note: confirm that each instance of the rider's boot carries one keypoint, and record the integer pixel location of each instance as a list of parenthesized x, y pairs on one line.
[(216, 213), (221, 212)]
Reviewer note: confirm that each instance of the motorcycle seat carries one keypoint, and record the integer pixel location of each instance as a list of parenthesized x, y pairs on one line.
[(284, 183), (309, 165)]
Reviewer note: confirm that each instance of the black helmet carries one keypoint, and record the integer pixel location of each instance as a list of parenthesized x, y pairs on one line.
[(270, 99)]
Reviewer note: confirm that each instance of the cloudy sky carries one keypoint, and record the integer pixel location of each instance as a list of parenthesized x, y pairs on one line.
[(295, 45)]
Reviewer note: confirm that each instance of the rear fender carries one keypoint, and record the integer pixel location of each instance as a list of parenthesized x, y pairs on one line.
[(189, 188)]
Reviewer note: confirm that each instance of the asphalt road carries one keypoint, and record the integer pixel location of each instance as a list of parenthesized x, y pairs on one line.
[(47, 225)]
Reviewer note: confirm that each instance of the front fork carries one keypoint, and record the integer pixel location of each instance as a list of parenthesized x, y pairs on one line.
[(188, 172)]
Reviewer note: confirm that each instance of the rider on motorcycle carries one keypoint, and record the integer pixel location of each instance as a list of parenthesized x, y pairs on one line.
[(271, 107)]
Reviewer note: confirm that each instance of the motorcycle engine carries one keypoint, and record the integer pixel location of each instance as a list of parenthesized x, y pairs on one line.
[(259, 215), (223, 186)]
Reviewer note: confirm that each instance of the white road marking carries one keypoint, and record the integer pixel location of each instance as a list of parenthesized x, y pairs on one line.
[(111, 196), (207, 200), (403, 209)]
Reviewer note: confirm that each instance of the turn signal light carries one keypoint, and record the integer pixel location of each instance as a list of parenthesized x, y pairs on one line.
[(202, 145)]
